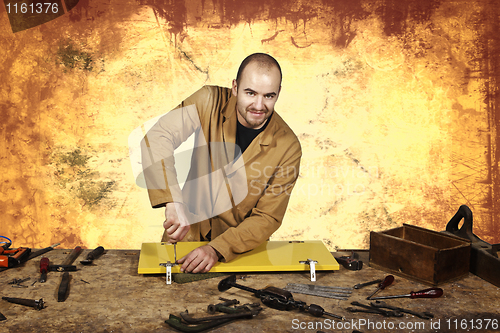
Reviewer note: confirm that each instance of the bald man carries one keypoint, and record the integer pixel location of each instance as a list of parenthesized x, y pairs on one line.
[(242, 172)]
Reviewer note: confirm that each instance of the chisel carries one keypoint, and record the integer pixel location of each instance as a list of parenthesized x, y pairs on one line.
[(63, 291), (72, 256), (44, 267), (42, 251)]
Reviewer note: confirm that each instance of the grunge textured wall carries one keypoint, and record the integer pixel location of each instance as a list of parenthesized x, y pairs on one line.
[(395, 102)]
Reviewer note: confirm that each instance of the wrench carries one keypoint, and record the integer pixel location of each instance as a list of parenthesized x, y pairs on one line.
[(385, 313), (422, 315)]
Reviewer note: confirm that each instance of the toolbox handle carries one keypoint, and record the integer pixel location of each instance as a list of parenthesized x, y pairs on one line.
[(465, 231)]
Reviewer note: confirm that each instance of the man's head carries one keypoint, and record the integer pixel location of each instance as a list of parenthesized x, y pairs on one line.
[(257, 87)]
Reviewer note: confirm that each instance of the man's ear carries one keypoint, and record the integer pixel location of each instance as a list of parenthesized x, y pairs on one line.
[(235, 88)]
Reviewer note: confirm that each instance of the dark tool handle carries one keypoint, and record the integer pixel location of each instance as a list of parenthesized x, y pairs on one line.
[(427, 293), (465, 231), (95, 253), (63, 291), (72, 256), (387, 281)]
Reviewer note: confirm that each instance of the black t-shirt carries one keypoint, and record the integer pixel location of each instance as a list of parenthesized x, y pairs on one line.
[(245, 135)]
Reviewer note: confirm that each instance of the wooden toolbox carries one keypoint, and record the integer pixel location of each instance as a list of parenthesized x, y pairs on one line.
[(420, 254)]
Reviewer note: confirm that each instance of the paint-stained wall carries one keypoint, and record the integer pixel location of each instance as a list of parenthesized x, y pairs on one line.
[(395, 103)]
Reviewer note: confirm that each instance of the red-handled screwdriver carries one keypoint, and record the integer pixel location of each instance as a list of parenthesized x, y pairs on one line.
[(426, 293), (387, 281), (44, 267)]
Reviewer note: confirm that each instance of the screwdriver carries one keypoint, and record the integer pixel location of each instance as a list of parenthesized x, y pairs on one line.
[(426, 293), (44, 266), (387, 281), (361, 285)]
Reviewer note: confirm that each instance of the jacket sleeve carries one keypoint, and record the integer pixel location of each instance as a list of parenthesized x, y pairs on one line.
[(159, 143), (266, 217)]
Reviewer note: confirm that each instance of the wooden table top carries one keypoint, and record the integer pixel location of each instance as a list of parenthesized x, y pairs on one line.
[(110, 296)]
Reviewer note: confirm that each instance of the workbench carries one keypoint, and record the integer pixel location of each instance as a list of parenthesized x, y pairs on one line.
[(110, 296)]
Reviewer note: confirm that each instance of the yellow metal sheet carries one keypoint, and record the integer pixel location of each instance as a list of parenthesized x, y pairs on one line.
[(270, 256)]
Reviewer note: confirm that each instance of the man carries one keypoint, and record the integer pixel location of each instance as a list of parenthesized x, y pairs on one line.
[(243, 197)]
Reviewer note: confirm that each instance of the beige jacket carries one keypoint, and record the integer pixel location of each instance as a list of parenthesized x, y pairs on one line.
[(248, 194)]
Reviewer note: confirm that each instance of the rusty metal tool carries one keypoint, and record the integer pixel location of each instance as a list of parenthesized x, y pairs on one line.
[(484, 257), (62, 268), (362, 285), (36, 304), (94, 254), (18, 281), (426, 293), (277, 298), (312, 267), (371, 309), (249, 312), (177, 323), (351, 262), (37, 253), (387, 281), (72, 256), (63, 290), (422, 315), (44, 269), (212, 308), (341, 293)]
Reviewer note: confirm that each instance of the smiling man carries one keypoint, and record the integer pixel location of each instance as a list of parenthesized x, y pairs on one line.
[(246, 154)]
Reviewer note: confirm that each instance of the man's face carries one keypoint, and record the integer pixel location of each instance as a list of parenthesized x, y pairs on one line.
[(256, 94)]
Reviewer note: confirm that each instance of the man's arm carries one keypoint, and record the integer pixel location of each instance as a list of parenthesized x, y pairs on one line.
[(266, 217), (158, 148)]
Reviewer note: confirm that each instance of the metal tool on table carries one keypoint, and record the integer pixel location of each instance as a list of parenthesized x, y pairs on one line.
[(351, 262), (36, 304), (94, 254), (17, 283), (37, 253), (168, 265), (277, 298), (186, 323), (362, 285), (371, 309), (72, 256), (63, 289), (422, 315), (341, 293), (484, 257), (387, 281), (426, 293), (221, 307), (312, 267)]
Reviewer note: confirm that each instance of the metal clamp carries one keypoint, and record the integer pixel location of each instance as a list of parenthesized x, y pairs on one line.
[(312, 267), (168, 265)]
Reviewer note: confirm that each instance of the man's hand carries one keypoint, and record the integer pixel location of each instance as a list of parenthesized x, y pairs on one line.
[(176, 222), (200, 260)]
